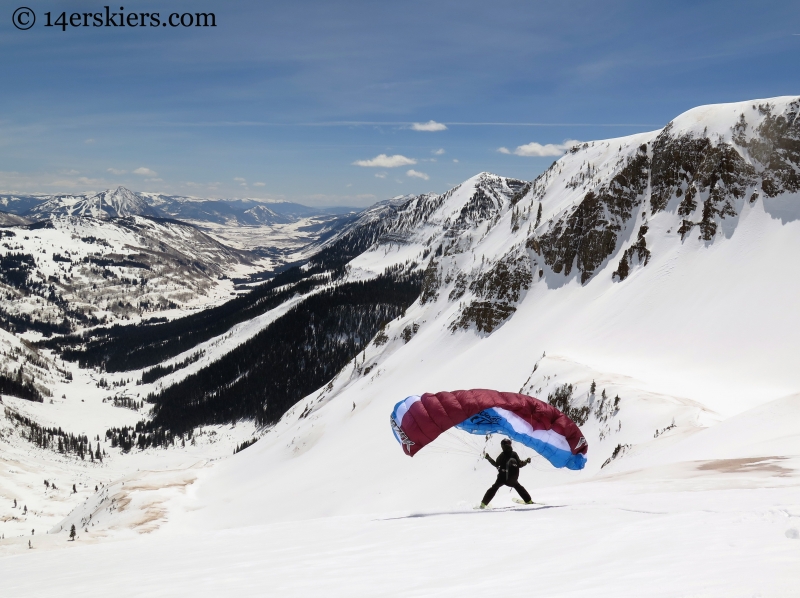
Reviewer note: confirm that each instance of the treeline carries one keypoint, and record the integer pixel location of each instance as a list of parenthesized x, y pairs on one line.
[(240, 447), (160, 371), (16, 270), (126, 438), (299, 352), (54, 439), (127, 403), (121, 348), (17, 387)]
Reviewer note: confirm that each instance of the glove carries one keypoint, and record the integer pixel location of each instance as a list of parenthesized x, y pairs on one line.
[(486, 456), (528, 460)]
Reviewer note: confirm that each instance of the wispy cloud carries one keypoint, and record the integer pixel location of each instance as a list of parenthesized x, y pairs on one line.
[(534, 149), (380, 175), (115, 171), (239, 179), (429, 126), (384, 161), (439, 152), (417, 175), (145, 172), (259, 184)]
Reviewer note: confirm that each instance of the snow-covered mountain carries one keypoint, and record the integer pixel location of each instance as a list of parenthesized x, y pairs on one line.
[(645, 284), (122, 202), (69, 272), (117, 203), (8, 219), (243, 212), (651, 269)]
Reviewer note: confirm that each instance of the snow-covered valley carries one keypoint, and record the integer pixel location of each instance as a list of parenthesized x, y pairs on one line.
[(647, 283)]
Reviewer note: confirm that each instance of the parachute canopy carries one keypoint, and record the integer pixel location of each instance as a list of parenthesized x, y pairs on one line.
[(418, 420)]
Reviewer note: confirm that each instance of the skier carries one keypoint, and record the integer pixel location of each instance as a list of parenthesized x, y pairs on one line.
[(507, 464)]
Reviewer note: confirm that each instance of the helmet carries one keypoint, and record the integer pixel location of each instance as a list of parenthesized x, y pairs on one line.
[(505, 441)]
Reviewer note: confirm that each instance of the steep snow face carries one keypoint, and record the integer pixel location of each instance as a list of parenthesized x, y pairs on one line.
[(700, 326), (662, 255), (118, 203)]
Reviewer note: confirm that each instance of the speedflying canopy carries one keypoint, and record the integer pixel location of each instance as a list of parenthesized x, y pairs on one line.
[(418, 420)]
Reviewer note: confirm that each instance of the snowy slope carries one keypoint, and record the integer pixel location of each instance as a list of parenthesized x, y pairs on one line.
[(662, 267), (7, 219), (112, 270), (703, 331)]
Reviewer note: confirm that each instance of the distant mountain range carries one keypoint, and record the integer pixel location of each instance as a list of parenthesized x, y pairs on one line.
[(122, 202)]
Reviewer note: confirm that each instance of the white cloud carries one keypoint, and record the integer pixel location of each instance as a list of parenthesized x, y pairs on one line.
[(384, 161), (116, 171), (82, 180), (145, 172), (156, 180), (534, 149), (239, 179), (380, 175), (259, 184), (417, 175), (455, 161), (439, 152), (429, 126), (89, 141)]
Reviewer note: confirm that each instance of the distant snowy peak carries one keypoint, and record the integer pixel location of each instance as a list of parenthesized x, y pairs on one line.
[(117, 203), (261, 214), (479, 200)]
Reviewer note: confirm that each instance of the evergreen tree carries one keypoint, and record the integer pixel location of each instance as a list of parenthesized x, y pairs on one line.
[(72, 533), (593, 388)]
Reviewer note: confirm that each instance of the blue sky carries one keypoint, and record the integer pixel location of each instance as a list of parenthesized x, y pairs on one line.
[(282, 100)]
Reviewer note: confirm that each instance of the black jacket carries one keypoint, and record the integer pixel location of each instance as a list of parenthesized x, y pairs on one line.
[(507, 468)]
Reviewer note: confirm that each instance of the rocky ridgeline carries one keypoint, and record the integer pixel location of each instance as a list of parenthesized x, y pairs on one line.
[(704, 178), (591, 211)]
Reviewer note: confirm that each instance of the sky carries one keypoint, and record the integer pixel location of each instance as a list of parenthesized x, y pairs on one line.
[(349, 102)]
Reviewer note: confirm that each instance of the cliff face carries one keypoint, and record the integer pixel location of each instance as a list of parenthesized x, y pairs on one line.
[(598, 211), (701, 167)]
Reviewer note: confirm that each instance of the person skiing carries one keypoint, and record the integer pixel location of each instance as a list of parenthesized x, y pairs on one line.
[(507, 464)]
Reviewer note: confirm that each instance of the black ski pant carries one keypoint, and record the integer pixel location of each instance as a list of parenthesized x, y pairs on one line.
[(502, 481)]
